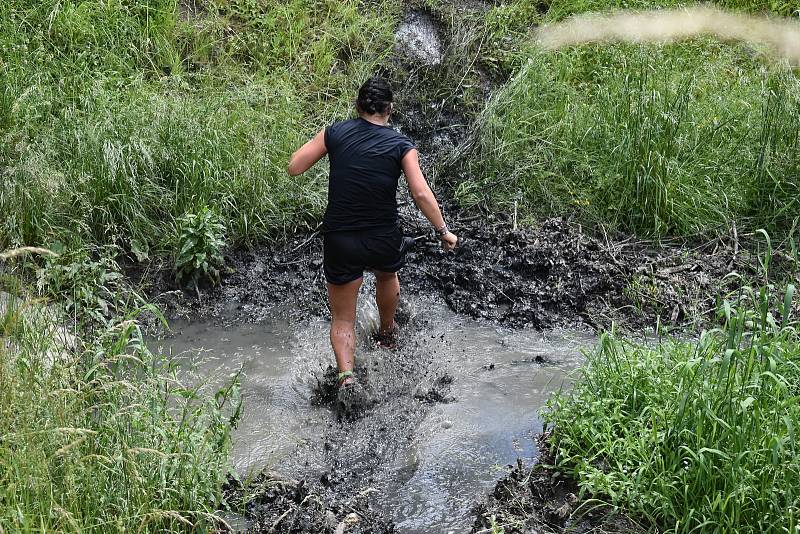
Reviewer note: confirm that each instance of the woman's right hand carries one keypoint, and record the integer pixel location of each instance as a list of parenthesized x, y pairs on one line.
[(449, 241)]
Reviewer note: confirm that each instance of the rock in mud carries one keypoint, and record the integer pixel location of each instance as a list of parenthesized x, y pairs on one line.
[(417, 39)]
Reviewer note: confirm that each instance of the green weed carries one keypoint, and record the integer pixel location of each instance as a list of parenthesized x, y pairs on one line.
[(199, 248), (86, 282)]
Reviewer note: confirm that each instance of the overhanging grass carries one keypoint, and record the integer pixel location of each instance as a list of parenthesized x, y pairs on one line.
[(693, 436), (98, 435)]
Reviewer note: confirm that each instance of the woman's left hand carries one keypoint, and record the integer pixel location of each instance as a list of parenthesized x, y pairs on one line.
[(449, 241)]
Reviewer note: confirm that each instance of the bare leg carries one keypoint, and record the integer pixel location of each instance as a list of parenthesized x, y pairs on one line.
[(387, 296), (343, 324)]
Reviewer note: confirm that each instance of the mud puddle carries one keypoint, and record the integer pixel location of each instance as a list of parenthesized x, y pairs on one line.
[(456, 404)]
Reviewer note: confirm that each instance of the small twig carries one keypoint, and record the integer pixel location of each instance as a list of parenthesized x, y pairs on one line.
[(278, 521), (514, 226), (501, 292), (307, 241)]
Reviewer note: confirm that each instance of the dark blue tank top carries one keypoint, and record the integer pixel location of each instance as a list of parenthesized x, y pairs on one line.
[(365, 167)]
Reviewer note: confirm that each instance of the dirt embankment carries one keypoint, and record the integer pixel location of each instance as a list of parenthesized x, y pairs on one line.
[(555, 274)]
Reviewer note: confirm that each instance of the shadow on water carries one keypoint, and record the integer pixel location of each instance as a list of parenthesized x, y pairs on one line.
[(456, 404)]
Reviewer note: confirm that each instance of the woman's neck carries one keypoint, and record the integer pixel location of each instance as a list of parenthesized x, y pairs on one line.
[(380, 120)]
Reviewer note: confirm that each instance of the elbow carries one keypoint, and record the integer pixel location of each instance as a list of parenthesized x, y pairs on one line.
[(420, 197), (294, 169)]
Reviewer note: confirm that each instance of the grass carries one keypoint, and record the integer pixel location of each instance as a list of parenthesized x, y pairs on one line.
[(693, 436), (118, 120), (97, 434), (120, 117), (660, 140)]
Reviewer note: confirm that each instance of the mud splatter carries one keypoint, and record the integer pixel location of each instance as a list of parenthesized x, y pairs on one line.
[(273, 503)]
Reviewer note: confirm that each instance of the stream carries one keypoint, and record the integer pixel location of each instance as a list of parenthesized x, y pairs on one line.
[(457, 403)]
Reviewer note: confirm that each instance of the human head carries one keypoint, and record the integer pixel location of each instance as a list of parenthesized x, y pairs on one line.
[(375, 97)]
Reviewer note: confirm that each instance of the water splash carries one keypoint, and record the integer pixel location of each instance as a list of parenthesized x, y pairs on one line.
[(781, 35)]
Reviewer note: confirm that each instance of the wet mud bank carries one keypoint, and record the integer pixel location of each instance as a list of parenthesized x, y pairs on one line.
[(541, 499), (554, 274), (528, 280)]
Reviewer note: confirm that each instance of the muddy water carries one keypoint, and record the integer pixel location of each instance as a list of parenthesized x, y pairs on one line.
[(428, 459)]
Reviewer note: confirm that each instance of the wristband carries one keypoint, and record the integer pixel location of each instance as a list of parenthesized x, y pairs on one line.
[(441, 232)]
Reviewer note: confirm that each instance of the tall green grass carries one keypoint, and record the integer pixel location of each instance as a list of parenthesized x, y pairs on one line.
[(659, 140), (96, 433), (682, 139), (693, 436), (119, 117)]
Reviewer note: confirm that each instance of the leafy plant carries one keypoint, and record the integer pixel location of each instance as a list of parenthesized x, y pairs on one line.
[(199, 254), (86, 280)]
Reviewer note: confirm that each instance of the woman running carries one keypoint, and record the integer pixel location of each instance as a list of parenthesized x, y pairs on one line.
[(361, 227)]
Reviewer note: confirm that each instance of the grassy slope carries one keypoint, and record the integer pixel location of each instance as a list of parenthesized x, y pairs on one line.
[(679, 139), (96, 433), (118, 117)]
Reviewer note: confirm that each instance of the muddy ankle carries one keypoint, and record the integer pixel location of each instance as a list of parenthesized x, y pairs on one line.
[(388, 339), (345, 378), (391, 331)]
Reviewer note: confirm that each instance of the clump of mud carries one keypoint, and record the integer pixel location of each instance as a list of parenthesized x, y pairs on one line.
[(272, 503), (558, 275), (524, 278)]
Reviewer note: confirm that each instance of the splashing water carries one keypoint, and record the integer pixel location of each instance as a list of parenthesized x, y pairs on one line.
[(782, 35)]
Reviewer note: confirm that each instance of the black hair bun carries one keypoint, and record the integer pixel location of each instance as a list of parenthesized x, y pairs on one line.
[(375, 96)]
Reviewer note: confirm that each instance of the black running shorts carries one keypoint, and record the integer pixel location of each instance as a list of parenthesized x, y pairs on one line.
[(348, 253)]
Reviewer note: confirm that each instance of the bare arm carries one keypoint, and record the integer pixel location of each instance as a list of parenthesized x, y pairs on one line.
[(424, 197), (308, 154)]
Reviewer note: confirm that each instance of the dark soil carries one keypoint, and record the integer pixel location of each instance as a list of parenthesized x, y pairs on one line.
[(541, 500), (273, 503), (555, 274)]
